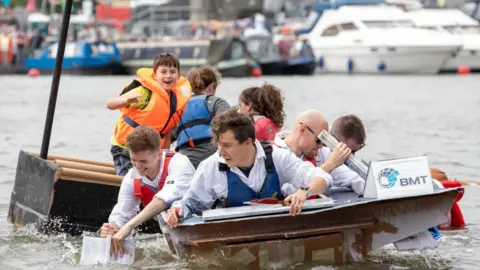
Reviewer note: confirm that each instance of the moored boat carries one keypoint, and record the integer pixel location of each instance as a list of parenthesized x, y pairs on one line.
[(298, 54), (377, 39), (81, 57), (265, 53), (229, 55), (453, 22)]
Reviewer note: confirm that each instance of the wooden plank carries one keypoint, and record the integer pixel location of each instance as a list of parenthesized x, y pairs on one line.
[(79, 160), (317, 231), (90, 177), (84, 166), (292, 251), (282, 235)]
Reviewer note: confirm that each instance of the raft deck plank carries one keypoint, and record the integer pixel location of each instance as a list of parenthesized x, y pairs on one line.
[(261, 209), (282, 235)]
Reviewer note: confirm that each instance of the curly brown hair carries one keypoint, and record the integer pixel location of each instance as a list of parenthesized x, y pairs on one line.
[(266, 100), (201, 78), (231, 120)]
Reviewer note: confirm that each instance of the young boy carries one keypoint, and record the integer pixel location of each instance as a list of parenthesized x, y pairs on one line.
[(157, 99)]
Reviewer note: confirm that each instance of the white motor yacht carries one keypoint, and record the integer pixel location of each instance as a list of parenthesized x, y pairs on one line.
[(457, 23), (377, 39)]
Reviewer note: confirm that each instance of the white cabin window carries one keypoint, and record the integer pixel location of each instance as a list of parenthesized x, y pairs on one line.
[(70, 50), (462, 29), (348, 27), (388, 24), (311, 19), (330, 31), (237, 50)]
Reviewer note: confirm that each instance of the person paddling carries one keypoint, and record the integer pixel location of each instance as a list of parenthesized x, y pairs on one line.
[(244, 169), (158, 178), (265, 105), (157, 99)]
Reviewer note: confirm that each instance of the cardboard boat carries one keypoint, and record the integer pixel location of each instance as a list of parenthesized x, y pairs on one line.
[(345, 232)]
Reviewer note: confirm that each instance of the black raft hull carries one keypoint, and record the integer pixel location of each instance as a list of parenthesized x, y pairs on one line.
[(65, 195)]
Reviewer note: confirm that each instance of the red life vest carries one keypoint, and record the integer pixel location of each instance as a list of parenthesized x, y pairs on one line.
[(456, 217), (265, 128), (144, 192)]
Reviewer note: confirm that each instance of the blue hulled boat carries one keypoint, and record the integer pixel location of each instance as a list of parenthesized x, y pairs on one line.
[(299, 57), (81, 57)]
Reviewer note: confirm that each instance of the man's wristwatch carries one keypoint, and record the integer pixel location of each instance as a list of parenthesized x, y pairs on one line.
[(307, 189)]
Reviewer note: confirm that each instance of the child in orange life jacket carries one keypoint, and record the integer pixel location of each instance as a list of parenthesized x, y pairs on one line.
[(158, 178), (265, 104), (157, 99)]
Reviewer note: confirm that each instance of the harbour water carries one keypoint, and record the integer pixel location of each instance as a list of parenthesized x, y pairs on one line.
[(437, 116)]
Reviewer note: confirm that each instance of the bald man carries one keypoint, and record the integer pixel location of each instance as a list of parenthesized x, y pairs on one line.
[(304, 143)]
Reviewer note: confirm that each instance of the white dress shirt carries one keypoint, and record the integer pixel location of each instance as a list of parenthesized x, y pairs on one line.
[(342, 176), (210, 184), (180, 172)]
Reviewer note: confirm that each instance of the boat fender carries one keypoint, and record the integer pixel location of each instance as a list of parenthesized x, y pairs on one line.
[(381, 65), (350, 64), (320, 62)]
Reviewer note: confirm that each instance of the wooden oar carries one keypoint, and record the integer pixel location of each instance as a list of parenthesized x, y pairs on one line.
[(468, 182)]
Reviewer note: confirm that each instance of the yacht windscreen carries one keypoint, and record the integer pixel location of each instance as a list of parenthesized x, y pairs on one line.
[(261, 47), (311, 20), (463, 29), (388, 24)]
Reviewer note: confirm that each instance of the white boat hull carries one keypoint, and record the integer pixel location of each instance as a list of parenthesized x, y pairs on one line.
[(397, 60), (466, 57)]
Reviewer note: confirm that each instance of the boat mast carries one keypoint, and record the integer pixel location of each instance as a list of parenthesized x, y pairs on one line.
[(56, 80)]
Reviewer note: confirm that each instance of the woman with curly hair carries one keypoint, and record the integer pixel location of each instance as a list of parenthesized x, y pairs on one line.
[(265, 105)]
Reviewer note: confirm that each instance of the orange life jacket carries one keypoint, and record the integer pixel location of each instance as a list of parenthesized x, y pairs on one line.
[(163, 111), (145, 193)]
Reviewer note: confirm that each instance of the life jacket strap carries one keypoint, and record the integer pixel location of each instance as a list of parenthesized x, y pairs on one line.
[(137, 188), (130, 121)]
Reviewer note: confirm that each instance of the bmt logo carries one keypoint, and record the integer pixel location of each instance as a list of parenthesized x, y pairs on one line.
[(388, 177)]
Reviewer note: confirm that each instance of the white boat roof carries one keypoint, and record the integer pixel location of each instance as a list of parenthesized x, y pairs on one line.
[(441, 17), (38, 17), (367, 13)]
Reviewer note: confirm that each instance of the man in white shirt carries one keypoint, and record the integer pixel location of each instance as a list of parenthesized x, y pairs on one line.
[(157, 179), (243, 169), (304, 143)]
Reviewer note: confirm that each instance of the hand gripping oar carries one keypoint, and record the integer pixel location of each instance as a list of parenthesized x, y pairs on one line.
[(352, 162)]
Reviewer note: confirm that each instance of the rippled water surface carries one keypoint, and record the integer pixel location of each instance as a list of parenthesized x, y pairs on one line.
[(405, 116)]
